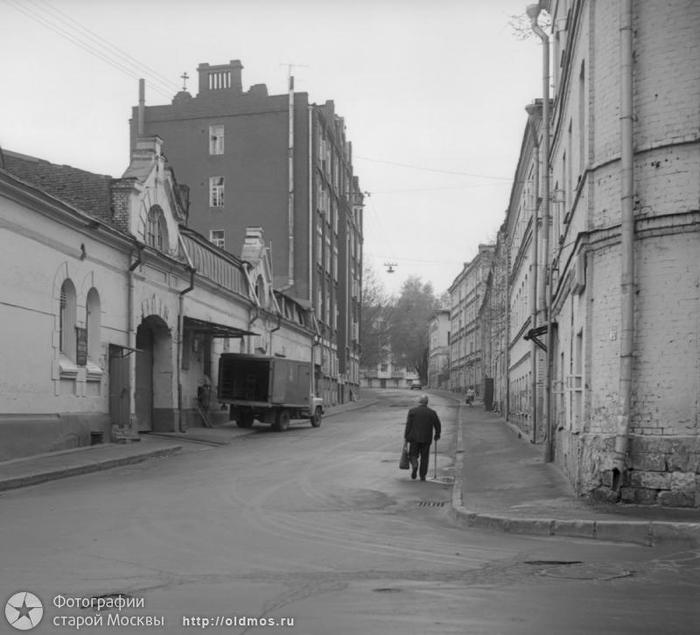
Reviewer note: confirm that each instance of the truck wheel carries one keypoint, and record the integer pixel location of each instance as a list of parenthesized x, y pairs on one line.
[(317, 417), (281, 420), (245, 420)]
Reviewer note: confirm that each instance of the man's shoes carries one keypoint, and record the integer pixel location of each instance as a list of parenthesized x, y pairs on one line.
[(414, 473), (422, 478)]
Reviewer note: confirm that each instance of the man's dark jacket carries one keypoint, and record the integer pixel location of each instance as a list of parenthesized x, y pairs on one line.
[(420, 423)]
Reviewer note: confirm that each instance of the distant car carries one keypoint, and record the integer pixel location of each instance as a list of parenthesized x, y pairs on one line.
[(416, 385)]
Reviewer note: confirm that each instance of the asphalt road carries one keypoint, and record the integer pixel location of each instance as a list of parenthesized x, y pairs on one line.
[(320, 527)]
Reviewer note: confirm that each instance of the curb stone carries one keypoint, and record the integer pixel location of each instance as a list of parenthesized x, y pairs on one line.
[(93, 466), (647, 533)]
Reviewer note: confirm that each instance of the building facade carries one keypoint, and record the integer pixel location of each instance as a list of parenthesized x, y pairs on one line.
[(494, 322), (388, 374), (525, 284), (625, 239), (282, 163), (439, 350), (466, 296), (115, 322)]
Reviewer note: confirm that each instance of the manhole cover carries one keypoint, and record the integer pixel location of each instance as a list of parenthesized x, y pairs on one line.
[(431, 503)]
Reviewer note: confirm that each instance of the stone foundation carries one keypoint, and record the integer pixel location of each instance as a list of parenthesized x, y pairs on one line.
[(662, 471), (29, 434)]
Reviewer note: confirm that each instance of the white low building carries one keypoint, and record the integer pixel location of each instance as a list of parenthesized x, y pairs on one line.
[(114, 313)]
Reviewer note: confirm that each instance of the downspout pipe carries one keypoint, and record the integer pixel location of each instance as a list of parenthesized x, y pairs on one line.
[(311, 205), (131, 336), (290, 201), (533, 12), (181, 330), (275, 329), (627, 277)]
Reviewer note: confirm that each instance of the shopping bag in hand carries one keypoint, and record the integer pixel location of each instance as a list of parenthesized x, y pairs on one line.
[(404, 463)]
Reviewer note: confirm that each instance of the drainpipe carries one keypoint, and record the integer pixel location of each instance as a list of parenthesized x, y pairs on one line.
[(131, 325), (627, 285), (311, 205), (290, 200), (180, 330), (533, 12), (507, 338), (534, 265)]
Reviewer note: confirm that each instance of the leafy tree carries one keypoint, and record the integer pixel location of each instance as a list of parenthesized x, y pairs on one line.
[(409, 325), (376, 309)]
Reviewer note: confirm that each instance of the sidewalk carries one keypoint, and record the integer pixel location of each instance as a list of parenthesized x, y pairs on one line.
[(39, 468), (502, 482)]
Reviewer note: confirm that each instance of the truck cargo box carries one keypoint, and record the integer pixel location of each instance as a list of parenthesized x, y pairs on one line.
[(263, 380)]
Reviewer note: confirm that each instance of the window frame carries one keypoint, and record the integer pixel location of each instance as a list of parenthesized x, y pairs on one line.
[(216, 141), (219, 241), (217, 191)]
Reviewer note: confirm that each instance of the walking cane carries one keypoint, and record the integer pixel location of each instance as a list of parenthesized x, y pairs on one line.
[(435, 464)]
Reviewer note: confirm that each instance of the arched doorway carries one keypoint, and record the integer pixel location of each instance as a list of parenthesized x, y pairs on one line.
[(153, 368)]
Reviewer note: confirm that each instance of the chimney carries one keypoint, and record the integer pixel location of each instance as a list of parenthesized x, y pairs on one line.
[(141, 110), (222, 77)]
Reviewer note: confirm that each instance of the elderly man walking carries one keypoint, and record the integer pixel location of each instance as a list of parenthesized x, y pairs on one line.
[(420, 423)]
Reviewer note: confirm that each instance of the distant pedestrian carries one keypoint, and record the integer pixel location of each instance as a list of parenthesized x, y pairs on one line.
[(470, 395), (420, 423)]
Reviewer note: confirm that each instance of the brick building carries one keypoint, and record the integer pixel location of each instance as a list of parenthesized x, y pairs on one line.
[(625, 239), (284, 164)]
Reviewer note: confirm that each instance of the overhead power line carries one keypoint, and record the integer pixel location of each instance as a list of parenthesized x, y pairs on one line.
[(439, 171), (68, 28)]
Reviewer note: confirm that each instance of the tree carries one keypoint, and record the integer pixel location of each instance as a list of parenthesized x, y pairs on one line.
[(521, 25), (376, 309), (409, 325)]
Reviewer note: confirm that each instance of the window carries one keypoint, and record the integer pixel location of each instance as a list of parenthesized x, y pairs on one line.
[(216, 191), (216, 236), (92, 320), (156, 229), (319, 244), (67, 320), (216, 139)]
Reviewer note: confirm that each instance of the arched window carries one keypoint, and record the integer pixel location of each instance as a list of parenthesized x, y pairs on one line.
[(156, 229), (67, 319), (260, 291), (93, 323)]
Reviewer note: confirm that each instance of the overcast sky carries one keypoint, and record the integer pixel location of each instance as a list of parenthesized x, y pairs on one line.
[(432, 92)]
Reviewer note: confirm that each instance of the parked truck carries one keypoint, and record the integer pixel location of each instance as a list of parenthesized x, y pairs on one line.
[(270, 389)]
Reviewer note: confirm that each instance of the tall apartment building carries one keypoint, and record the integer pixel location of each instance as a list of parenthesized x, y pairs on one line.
[(284, 164), (625, 239), (526, 283), (466, 296)]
